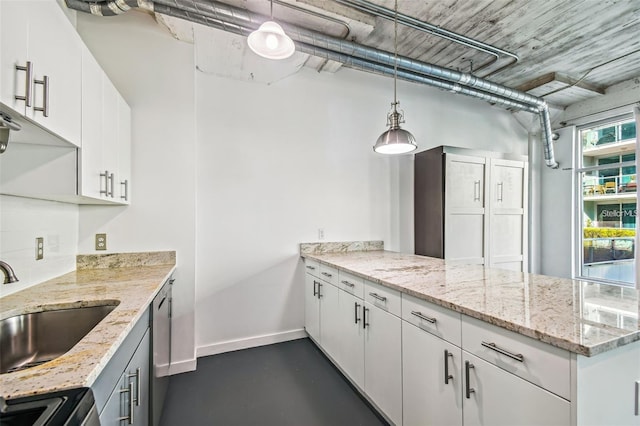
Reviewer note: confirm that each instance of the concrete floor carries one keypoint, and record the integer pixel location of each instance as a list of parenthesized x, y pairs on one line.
[(289, 383)]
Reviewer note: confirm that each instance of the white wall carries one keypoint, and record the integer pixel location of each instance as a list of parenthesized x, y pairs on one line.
[(22, 220), (272, 164), (155, 74), (275, 163)]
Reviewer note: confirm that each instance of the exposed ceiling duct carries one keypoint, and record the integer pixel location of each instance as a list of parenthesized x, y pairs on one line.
[(353, 55)]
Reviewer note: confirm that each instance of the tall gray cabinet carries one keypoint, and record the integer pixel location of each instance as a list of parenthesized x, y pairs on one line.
[(471, 206)]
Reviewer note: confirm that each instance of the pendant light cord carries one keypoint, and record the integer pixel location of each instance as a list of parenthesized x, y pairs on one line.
[(395, 60), (272, 10)]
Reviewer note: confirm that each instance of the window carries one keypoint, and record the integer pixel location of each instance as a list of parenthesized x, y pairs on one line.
[(608, 201)]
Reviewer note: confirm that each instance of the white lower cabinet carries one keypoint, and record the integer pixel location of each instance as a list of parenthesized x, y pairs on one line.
[(431, 379), (312, 307), (329, 318), (492, 396), (383, 360), (351, 354)]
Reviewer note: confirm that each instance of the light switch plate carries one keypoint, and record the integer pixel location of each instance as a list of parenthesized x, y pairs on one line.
[(101, 241), (39, 248)]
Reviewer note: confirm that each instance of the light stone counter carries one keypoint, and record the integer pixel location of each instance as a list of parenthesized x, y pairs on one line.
[(582, 317), (133, 284)]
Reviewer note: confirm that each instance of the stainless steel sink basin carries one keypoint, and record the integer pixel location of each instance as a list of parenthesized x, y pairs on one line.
[(31, 339)]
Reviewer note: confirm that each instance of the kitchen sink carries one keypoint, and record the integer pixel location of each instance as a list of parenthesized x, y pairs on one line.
[(32, 339)]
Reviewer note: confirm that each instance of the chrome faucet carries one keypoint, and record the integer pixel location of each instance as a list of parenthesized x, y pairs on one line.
[(10, 276)]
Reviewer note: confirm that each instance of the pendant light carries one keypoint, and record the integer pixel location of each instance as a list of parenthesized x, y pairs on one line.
[(270, 41), (395, 140)]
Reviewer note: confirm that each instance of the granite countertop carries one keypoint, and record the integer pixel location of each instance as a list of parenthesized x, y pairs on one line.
[(582, 317), (132, 280)]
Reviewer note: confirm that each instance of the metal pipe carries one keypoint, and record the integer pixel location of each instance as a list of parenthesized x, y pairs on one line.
[(383, 12), (240, 21)]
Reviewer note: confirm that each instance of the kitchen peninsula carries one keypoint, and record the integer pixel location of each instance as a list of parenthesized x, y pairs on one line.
[(529, 349)]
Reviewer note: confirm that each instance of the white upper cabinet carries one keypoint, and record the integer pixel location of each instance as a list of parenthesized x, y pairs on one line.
[(41, 66), (76, 135), (124, 151)]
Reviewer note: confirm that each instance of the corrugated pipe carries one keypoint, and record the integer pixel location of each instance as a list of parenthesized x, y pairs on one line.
[(241, 21)]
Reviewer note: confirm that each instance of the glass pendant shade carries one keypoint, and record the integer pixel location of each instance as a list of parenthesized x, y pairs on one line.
[(270, 41), (395, 141)]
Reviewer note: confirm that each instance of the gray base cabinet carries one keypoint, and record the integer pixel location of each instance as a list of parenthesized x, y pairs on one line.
[(122, 389), (129, 401)]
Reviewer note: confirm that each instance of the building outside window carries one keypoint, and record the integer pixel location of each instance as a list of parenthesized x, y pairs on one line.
[(607, 201)]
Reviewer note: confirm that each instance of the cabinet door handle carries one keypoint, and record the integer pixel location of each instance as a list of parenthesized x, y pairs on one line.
[(494, 347), (319, 290), (364, 316), (111, 179), (347, 283), (27, 83), (315, 292), (447, 376), (44, 109), (357, 305), (476, 190), (126, 189), (468, 389), (313, 268), (137, 376), (129, 390), (105, 175), (500, 191), (326, 274), (424, 317), (637, 410), (378, 297)]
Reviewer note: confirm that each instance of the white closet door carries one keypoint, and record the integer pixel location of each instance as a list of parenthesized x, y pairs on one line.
[(508, 214), (465, 213)]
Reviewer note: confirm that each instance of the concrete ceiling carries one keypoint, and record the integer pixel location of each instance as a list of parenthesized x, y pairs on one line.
[(569, 50)]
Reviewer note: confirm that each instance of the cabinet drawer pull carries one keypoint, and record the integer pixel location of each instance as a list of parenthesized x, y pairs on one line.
[(378, 297), (126, 189), (326, 274), (447, 376), (44, 109), (357, 305), (500, 191), (347, 283), (424, 317), (468, 389), (364, 316), (476, 190), (27, 83), (137, 376), (313, 268), (494, 347), (129, 390)]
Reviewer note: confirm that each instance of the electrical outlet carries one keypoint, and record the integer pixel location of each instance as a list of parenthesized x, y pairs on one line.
[(321, 233), (39, 248), (101, 241)]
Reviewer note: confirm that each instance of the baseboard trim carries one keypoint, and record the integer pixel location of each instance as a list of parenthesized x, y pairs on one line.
[(251, 342), (184, 366)]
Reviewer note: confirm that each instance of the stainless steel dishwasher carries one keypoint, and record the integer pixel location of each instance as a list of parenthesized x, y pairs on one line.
[(161, 337)]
